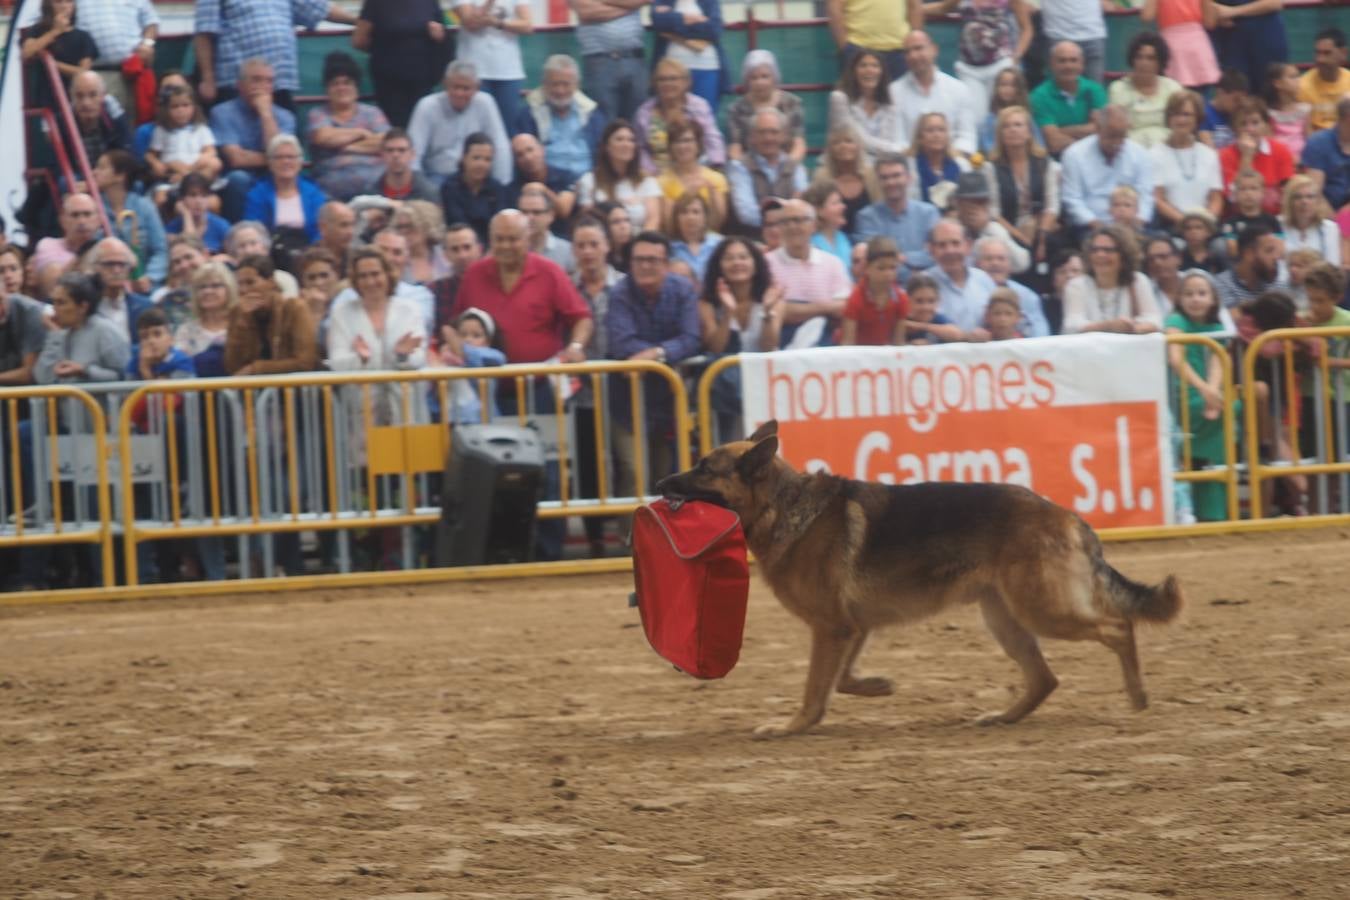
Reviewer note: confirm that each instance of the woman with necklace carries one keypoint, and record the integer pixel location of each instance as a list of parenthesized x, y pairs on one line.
[(1186, 172), (1023, 182), (1112, 295)]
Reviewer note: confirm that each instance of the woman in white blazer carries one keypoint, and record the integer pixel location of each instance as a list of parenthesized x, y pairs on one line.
[(377, 331)]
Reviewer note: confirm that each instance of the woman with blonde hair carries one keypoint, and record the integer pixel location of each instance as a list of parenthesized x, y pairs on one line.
[(214, 295), (1023, 181), (422, 224), (673, 102), (933, 161), (1303, 215), (844, 165)]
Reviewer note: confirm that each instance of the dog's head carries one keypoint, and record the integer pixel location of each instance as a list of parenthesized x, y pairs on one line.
[(727, 476)]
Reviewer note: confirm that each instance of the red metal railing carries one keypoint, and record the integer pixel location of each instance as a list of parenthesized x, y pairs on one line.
[(70, 133)]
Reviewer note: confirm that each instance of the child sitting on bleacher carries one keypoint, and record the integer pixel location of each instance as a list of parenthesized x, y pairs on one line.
[(1249, 187), (181, 143), (472, 342), (1002, 315), (925, 325)]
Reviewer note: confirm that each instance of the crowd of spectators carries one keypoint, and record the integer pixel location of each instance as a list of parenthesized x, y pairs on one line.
[(667, 208)]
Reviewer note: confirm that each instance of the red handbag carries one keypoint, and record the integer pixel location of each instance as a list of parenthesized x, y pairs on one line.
[(692, 581)]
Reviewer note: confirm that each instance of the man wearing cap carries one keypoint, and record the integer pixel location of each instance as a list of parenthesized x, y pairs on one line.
[(972, 211)]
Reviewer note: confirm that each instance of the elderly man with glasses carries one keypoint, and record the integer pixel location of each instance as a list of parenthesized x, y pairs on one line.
[(114, 262)]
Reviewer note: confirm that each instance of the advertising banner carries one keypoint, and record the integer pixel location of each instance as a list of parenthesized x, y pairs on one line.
[(1081, 420)]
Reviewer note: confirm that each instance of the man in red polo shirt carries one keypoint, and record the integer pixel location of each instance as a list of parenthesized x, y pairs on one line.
[(538, 310), (539, 316)]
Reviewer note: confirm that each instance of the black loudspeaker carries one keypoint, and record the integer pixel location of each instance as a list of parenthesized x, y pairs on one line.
[(494, 479)]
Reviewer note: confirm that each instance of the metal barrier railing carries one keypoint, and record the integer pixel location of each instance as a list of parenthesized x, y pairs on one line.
[(254, 459), (1296, 355), (43, 439), (346, 451)]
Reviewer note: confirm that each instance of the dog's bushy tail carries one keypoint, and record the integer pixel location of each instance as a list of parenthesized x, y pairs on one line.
[(1159, 603)]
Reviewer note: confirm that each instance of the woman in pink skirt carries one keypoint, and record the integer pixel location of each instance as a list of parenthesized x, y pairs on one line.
[(1183, 24)]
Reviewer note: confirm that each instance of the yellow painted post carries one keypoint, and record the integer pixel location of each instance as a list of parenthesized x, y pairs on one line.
[(16, 465), (54, 458), (288, 407)]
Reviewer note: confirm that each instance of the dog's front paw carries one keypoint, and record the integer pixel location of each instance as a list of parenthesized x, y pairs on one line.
[(774, 730), (875, 686), (994, 718)]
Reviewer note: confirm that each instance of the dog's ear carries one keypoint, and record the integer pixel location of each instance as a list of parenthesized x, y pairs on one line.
[(758, 457), (768, 429)]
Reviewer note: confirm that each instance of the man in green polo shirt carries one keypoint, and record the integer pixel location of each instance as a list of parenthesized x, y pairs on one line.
[(1062, 105)]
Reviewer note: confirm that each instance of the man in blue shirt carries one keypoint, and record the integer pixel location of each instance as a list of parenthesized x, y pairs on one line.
[(653, 315), (566, 121), (1326, 156), (905, 221), (1097, 165), (963, 291), (244, 127)]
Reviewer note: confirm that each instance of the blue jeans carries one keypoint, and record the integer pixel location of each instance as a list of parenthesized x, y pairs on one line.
[(1094, 59), (237, 185), (707, 83), (507, 95), (619, 85)]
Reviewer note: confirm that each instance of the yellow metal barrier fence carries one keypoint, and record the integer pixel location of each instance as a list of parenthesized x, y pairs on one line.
[(417, 447), (25, 537), (1292, 353), (406, 450)]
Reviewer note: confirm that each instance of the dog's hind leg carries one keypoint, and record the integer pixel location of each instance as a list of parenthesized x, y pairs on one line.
[(852, 683), (829, 647), (1120, 638), (1021, 645)]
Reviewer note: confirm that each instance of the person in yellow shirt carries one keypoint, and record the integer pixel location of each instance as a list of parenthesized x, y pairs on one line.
[(877, 25), (1328, 80)]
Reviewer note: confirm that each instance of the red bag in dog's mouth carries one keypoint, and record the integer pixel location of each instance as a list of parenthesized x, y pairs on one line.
[(692, 580)]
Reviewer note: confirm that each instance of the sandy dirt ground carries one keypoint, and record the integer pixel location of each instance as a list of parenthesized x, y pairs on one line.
[(520, 739)]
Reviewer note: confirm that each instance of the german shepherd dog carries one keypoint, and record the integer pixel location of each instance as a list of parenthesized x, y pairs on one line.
[(848, 556)]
